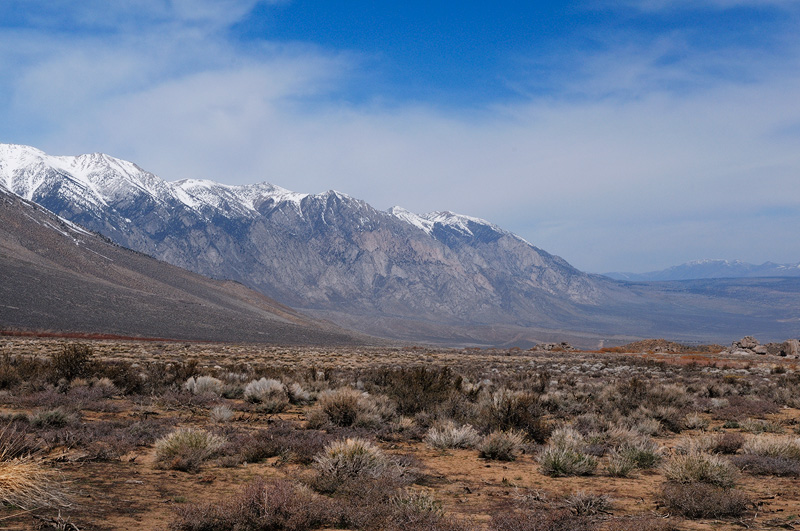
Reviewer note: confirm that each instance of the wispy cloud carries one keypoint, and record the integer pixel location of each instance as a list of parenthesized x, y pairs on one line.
[(635, 155)]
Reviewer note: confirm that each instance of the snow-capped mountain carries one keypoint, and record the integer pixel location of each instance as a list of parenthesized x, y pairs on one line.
[(56, 276), (437, 276), (703, 269), (325, 252)]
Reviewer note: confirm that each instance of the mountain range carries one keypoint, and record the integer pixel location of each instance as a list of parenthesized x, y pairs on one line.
[(703, 269), (439, 277), (58, 277)]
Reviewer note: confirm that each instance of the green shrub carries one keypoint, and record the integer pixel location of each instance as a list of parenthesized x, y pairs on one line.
[(187, 448), (558, 461), (619, 465), (52, 418), (564, 455)]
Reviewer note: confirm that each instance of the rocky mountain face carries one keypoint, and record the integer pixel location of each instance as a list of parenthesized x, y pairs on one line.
[(58, 277), (326, 252), (438, 277), (702, 269)]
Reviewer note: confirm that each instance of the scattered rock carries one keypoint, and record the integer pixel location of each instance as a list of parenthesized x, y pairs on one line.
[(749, 345), (746, 343), (790, 348)]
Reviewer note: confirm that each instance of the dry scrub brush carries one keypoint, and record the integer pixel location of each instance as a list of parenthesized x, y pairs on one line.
[(356, 462), (448, 435), (564, 455), (187, 448), (24, 480), (346, 406)]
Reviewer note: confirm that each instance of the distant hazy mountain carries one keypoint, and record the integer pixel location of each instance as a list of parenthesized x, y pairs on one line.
[(58, 277), (702, 269), (438, 276)]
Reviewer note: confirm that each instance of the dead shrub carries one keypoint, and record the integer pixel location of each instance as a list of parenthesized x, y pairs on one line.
[(765, 465), (260, 506), (541, 520), (740, 407), (417, 388), (281, 439), (701, 500), (514, 410), (587, 503), (348, 407), (74, 360), (641, 523), (727, 443), (27, 484)]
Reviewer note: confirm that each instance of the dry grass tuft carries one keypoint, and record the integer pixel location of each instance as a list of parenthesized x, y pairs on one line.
[(27, 484)]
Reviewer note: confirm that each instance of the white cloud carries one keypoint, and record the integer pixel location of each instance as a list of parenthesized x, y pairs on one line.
[(639, 164)]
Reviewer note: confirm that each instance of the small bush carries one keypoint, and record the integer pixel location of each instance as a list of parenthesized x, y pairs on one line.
[(502, 445), (641, 523), (701, 468), (773, 446), (280, 440), (417, 388), (701, 500), (695, 421), (727, 443), (204, 384), (268, 393), (740, 408), (644, 453), (74, 360), (587, 503), (759, 426), (514, 410), (619, 466), (27, 484), (52, 418), (561, 460), (448, 435), (348, 407), (352, 459), (298, 395), (221, 414), (764, 465), (186, 449), (260, 506), (546, 519)]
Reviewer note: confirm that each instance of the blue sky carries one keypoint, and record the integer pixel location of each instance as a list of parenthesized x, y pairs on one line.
[(627, 135)]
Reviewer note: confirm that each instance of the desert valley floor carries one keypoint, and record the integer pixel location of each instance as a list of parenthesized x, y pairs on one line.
[(120, 434)]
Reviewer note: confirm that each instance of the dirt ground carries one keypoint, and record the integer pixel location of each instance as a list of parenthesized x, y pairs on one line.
[(130, 493)]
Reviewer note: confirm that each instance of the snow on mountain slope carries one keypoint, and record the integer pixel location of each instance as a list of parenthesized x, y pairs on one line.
[(327, 251)]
